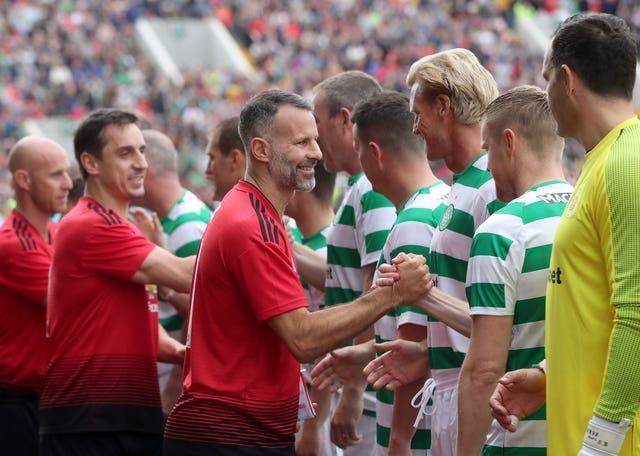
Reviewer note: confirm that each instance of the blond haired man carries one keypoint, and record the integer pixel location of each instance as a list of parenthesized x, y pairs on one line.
[(450, 91)]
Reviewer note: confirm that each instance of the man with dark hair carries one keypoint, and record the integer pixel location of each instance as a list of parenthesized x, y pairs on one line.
[(227, 162), (250, 327), (592, 374), (40, 179), (354, 242), (100, 392), (395, 162)]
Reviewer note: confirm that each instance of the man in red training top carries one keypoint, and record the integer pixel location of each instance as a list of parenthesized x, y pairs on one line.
[(100, 393), (41, 182)]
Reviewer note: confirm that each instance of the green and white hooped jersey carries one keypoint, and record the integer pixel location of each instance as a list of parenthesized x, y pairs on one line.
[(415, 224), (507, 276), (356, 238), (183, 227), (471, 200), (317, 243)]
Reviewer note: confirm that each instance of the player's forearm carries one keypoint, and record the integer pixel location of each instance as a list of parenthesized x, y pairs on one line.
[(169, 349), (179, 301), (164, 269), (453, 312), (620, 396), (404, 415), (326, 329), (620, 393), (366, 336), (312, 266), (474, 416), (309, 335), (323, 400)]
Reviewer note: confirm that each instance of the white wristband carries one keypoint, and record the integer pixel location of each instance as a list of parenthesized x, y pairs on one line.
[(542, 365), (604, 437)]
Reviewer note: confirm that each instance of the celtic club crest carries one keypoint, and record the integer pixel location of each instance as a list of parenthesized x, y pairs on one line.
[(446, 218)]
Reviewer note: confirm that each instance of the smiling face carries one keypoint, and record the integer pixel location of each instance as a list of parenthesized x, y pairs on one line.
[(295, 149), (122, 167), (427, 122)]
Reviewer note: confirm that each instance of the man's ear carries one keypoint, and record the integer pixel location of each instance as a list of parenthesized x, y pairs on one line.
[(22, 179), (511, 141), (569, 79), (374, 148), (89, 163), (260, 150), (443, 103), (345, 119), (237, 158)]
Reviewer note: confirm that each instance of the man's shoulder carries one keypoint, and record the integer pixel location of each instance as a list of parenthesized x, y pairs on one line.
[(623, 160), (506, 223), (89, 222), (17, 236), (425, 202), (188, 209), (87, 213), (369, 199), (629, 134), (543, 202), (13, 242), (416, 213), (538, 209), (475, 175), (246, 216)]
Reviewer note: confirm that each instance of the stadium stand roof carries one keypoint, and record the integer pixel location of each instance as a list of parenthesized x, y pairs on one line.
[(176, 44)]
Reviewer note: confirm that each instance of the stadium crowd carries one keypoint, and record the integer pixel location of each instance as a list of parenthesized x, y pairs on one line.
[(434, 277), (68, 58)]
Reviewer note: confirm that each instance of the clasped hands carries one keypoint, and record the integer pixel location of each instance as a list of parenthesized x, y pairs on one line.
[(403, 361), (408, 275)]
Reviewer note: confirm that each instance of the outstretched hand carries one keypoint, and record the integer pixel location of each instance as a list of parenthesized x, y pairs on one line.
[(149, 225), (519, 393), (404, 362), (340, 366)]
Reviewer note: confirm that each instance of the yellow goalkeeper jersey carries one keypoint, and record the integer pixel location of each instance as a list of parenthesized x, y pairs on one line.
[(593, 298)]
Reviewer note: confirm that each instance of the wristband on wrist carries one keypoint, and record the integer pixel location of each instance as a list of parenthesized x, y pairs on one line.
[(604, 437), (542, 365)]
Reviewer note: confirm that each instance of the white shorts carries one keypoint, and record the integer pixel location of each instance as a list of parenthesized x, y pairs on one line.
[(444, 420)]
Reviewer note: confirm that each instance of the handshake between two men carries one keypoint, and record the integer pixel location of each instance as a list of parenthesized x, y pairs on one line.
[(402, 361)]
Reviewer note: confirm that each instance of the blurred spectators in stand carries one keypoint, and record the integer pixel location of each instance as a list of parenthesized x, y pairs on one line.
[(69, 57)]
